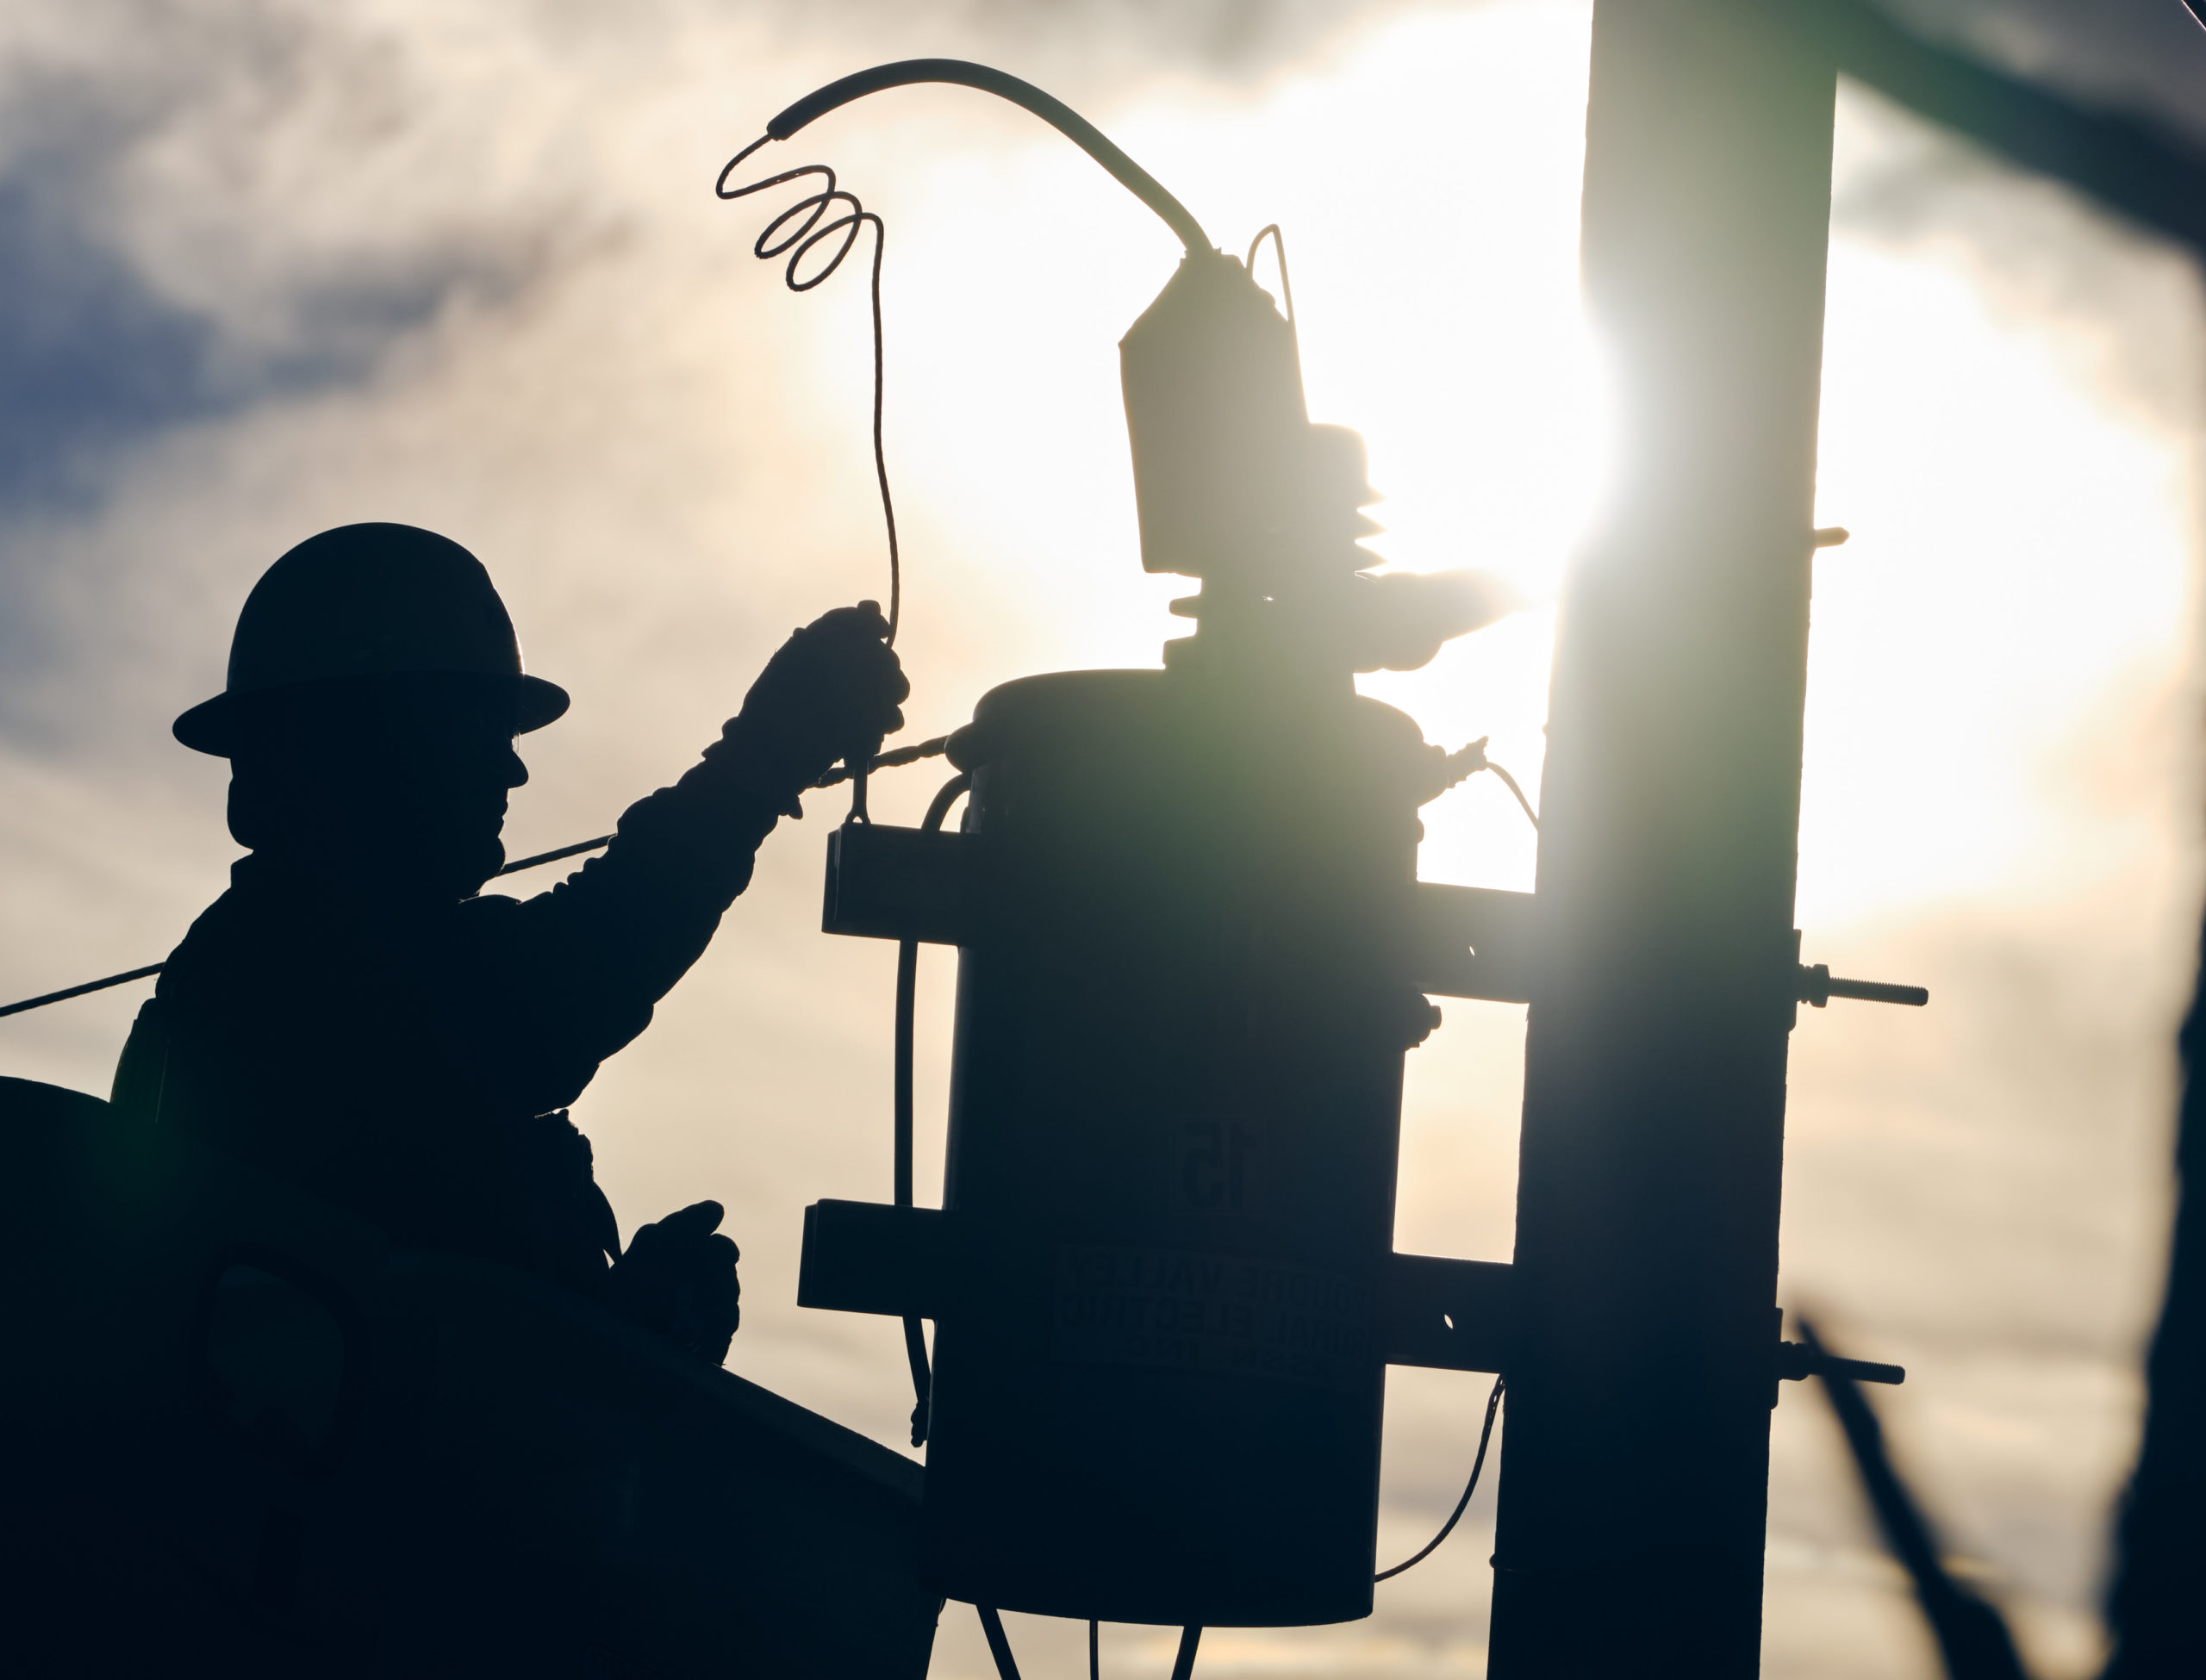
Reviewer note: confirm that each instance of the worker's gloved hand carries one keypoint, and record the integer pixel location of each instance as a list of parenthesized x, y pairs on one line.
[(678, 1278), (832, 692)]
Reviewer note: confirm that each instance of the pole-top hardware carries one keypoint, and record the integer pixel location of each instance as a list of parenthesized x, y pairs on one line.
[(1819, 985), (1796, 1361)]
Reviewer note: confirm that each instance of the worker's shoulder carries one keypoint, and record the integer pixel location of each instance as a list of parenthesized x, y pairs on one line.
[(219, 937), (268, 927)]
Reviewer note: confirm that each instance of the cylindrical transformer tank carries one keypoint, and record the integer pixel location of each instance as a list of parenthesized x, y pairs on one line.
[(1174, 1111)]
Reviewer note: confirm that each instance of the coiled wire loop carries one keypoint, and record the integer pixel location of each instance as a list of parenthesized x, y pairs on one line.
[(796, 233)]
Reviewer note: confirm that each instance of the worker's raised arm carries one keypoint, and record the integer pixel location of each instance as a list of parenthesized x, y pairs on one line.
[(544, 989)]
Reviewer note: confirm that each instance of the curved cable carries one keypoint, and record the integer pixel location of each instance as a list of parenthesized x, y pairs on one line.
[(805, 227), (1270, 231), (1467, 762), (915, 1338), (960, 72), (1486, 1434), (907, 990), (798, 242), (886, 761), (1510, 782)]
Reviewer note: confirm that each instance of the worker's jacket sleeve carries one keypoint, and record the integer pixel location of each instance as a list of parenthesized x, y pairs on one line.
[(544, 989)]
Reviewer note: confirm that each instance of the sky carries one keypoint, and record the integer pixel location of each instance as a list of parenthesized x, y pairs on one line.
[(273, 268)]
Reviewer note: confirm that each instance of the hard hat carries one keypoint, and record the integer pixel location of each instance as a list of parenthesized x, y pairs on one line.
[(371, 599)]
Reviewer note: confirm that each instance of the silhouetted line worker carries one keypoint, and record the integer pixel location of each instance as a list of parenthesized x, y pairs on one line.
[(352, 1016)]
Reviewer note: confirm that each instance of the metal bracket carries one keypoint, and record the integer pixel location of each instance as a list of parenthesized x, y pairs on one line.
[(1819, 985), (1471, 941), (1443, 1315), (1447, 1314), (867, 1257), (1796, 1361), (885, 882)]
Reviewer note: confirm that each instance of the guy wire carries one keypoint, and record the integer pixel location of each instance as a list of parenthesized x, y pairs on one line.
[(911, 754)]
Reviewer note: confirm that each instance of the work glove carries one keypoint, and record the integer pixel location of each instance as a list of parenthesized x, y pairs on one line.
[(830, 693), (678, 1278)]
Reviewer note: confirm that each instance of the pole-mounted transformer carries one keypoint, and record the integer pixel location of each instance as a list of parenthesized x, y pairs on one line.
[(1188, 923), (1192, 953)]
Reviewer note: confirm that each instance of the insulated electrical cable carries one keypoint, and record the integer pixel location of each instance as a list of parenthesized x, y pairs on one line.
[(798, 244), (1486, 1434), (1510, 782), (150, 968), (1467, 762), (963, 72), (69, 992), (911, 754), (800, 230), (907, 987), (932, 748)]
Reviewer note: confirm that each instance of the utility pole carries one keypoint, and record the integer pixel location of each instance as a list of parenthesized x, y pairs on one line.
[(1635, 1473)]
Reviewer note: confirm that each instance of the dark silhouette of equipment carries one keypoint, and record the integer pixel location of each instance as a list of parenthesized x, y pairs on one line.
[(1470, 1487), (1185, 905), (1193, 954), (2154, 1608), (1973, 1636)]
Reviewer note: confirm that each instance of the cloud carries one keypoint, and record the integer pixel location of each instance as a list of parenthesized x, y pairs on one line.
[(154, 283), (2039, 254), (2143, 57), (165, 276), (90, 357)]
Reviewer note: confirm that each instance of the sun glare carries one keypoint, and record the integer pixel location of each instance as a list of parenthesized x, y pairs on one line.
[(1426, 178)]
